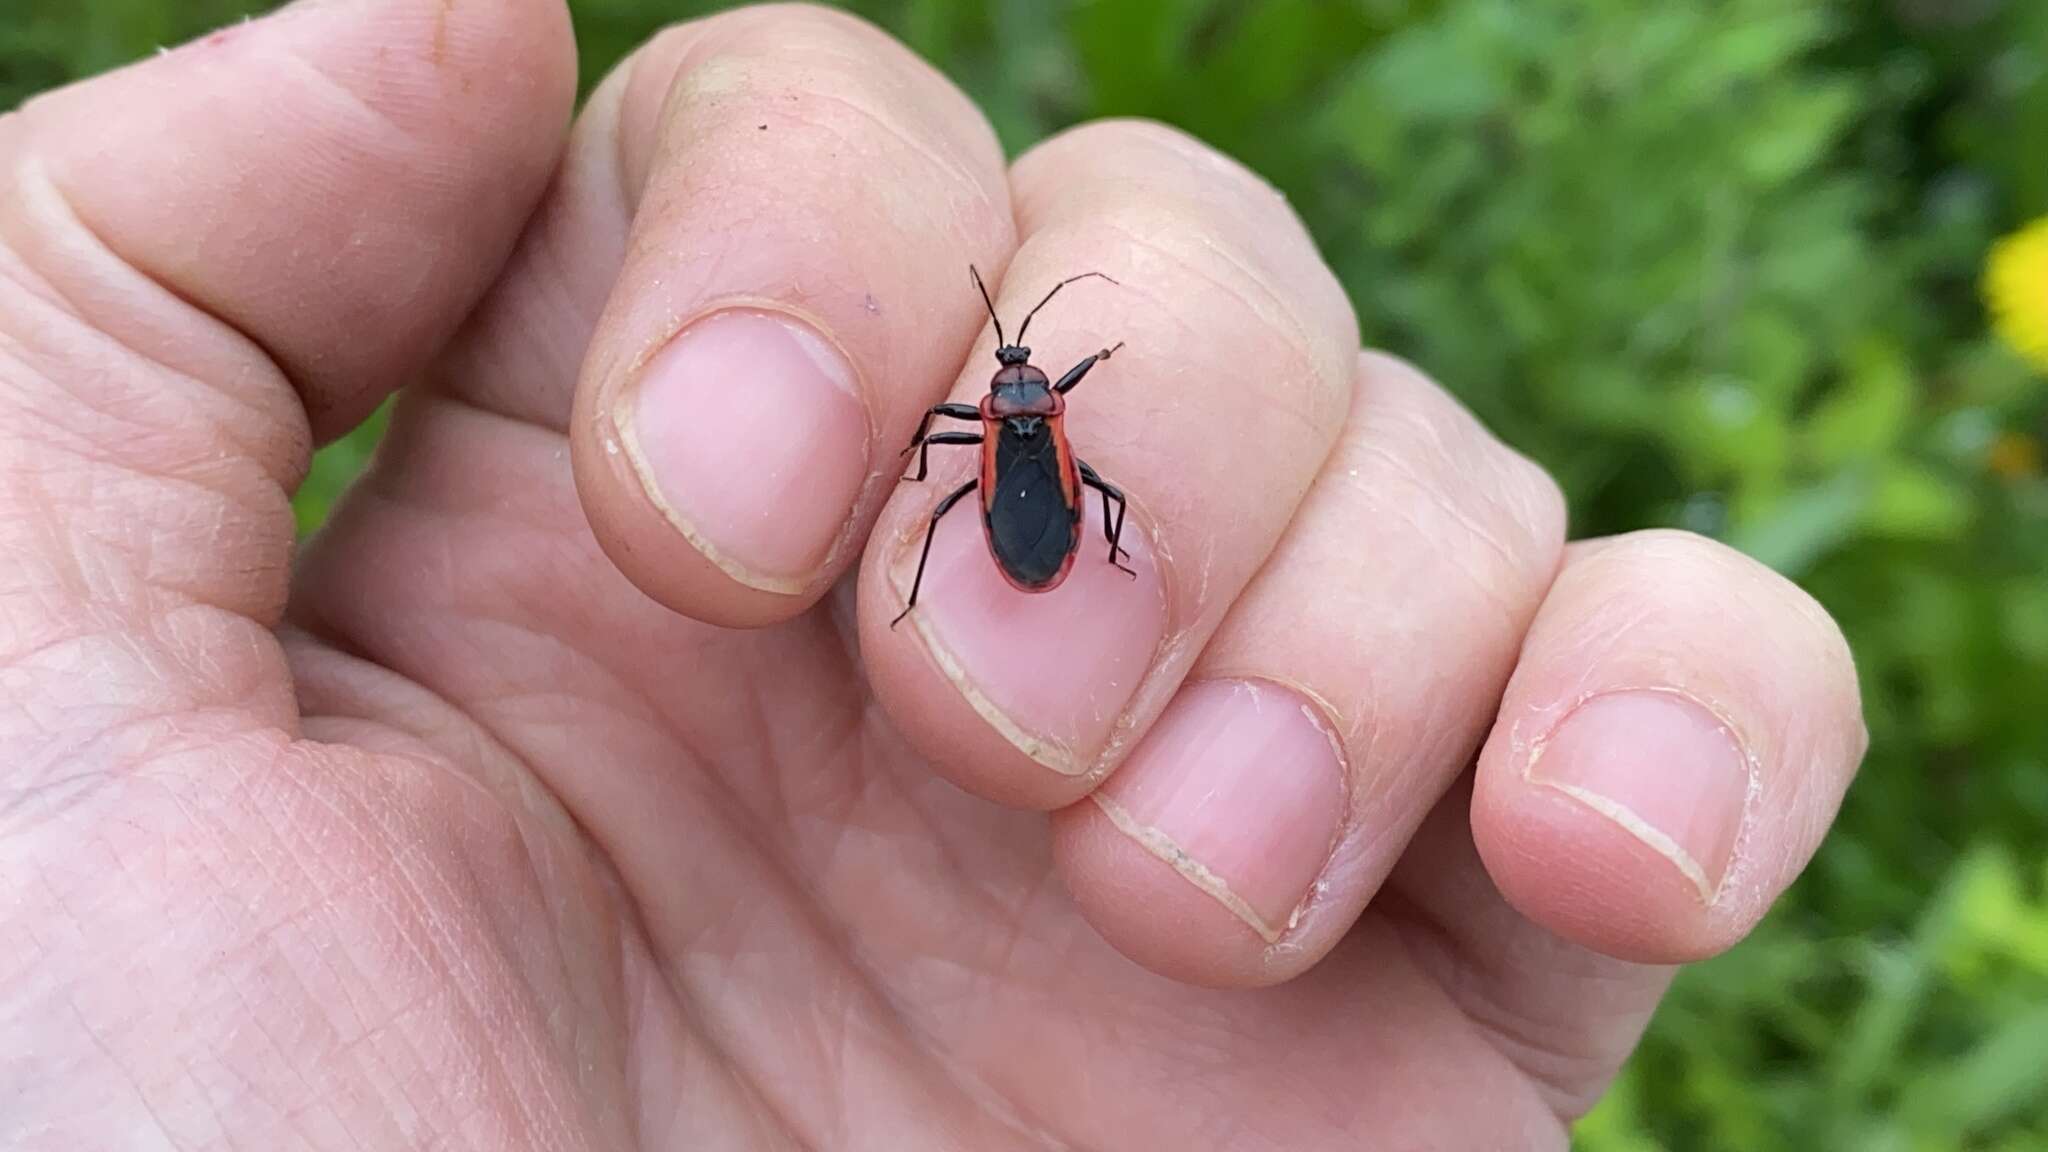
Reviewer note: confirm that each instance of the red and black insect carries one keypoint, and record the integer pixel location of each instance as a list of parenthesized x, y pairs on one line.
[(1030, 478)]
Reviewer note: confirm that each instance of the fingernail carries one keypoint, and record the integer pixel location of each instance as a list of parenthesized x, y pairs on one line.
[(1051, 671), (1662, 768), (747, 431), (1239, 787)]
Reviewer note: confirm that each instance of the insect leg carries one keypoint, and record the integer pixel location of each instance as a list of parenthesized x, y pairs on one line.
[(1075, 373), (930, 530), (954, 411), (924, 447), (1112, 526)]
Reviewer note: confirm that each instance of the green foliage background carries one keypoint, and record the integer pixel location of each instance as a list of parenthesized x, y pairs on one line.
[(1715, 263)]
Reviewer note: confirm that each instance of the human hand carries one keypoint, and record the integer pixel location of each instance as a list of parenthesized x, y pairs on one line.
[(488, 837)]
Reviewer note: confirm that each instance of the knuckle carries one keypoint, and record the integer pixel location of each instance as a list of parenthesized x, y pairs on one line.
[(1485, 492), (1681, 571), (837, 89), (1172, 191), (799, 20), (769, 52), (1117, 164), (1138, 141), (1533, 499), (1213, 263)]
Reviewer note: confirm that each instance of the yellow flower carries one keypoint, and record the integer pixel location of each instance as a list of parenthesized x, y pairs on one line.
[(2016, 285)]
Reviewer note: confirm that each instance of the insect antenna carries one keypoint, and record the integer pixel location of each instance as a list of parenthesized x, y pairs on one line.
[(1048, 299), (991, 305)]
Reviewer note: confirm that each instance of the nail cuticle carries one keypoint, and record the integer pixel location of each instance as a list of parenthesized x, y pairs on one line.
[(671, 379), (1163, 847), (1710, 889), (1243, 802), (636, 460)]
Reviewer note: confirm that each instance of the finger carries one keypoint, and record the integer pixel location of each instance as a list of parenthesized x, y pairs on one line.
[(204, 254), (1348, 687), (804, 186), (1672, 747), (1233, 379), (336, 183)]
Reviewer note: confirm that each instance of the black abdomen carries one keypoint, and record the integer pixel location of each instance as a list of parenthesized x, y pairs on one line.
[(1031, 528)]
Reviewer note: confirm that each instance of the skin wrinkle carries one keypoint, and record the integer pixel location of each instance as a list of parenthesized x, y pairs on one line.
[(1497, 586), (48, 432), (310, 1094), (59, 750), (263, 584), (1327, 363), (208, 465), (1323, 385), (954, 1073), (1015, 918), (682, 979), (1516, 1039), (227, 342), (258, 605), (384, 127), (552, 1107), (837, 796), (68, 312), (127, 1074), (166, 720), (122, 867), (1445, 460), (942, 831), (1239, 191), (952, 168), (434, 770), (708, 54), (411, 905)]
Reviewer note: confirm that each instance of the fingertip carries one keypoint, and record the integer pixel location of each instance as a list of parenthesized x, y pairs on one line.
[(721, 471), (1572, 869), (1673, 745), (798, 183)]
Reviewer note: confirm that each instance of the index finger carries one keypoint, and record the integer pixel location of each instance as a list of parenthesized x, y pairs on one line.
[(803, 184)]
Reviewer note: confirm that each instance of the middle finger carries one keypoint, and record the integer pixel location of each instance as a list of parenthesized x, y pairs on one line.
[(1213, 418)]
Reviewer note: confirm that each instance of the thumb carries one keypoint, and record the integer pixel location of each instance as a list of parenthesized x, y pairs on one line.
[(207, 261)]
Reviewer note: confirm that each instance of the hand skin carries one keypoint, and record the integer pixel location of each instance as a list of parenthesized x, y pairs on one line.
[(571, 792)]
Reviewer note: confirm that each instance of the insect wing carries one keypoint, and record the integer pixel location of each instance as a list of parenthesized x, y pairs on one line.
[(1029, 507)]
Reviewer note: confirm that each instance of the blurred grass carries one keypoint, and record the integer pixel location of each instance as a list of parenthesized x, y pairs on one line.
[(1715, 263)]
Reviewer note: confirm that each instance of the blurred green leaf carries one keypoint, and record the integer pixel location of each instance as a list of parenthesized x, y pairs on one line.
[(1869, 413), (1916, 503)]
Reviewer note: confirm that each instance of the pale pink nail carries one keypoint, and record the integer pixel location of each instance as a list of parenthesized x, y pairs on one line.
[(1240, 788), (1051, 671), (1661, 767), (747, 430)]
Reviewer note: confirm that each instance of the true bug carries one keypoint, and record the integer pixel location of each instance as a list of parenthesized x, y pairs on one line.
[(1030, 479)]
